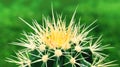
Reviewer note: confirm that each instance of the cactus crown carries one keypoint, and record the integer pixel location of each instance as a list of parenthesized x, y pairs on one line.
[(54, 44)]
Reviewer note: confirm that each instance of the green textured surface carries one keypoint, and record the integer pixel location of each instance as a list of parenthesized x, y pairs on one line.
[(106, 11)]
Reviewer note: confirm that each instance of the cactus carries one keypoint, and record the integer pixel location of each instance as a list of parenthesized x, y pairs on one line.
[(55, 44)]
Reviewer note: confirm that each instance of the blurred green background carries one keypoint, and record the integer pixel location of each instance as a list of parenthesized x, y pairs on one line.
[(106, 11)]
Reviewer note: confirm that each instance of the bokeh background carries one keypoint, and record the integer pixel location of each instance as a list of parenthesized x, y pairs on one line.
[(106, 11)]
